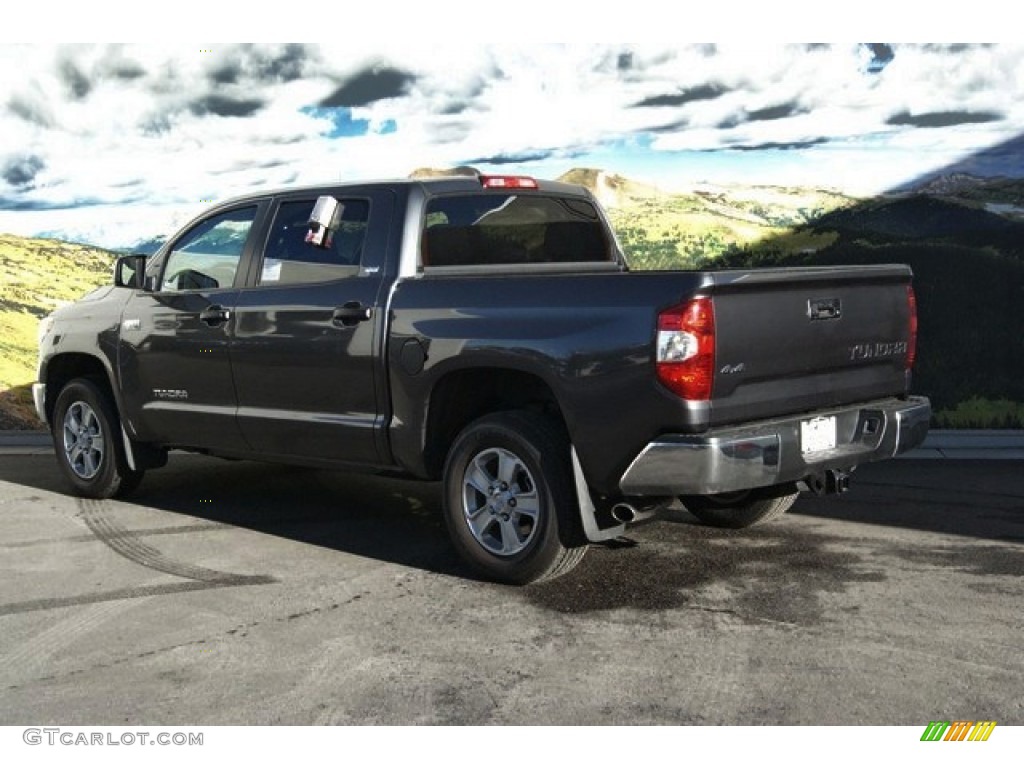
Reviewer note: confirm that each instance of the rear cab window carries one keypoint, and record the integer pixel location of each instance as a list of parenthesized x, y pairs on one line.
[(479, 230)]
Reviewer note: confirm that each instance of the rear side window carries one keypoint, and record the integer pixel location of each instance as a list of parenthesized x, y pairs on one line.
[(469, 230), (289, 259)]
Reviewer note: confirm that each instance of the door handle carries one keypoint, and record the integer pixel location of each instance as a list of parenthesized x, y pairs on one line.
[(352, 312), (215, 315)]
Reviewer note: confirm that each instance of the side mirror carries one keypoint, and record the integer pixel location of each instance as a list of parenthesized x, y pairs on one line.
[(323, 221), (129, 271)]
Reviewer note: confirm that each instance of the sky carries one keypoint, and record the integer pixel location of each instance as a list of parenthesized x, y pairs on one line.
[(116, 144)]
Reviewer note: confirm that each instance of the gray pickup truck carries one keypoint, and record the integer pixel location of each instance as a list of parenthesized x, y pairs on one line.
[(485, 332)]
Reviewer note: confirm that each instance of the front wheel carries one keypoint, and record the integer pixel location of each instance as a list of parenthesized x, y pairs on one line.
[(509, 504), (743, 508), (88, 442)]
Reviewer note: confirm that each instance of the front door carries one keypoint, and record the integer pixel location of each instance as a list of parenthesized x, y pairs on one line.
[(307, 338), (174, 353)]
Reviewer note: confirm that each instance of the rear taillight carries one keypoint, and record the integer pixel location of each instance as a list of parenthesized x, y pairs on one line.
[(912, 338), (686, 348)]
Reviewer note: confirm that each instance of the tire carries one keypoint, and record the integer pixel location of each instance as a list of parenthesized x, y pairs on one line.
[(88, 442), (509, 504), (742, 509)]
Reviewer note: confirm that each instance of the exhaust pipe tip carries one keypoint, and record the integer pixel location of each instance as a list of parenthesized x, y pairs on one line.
[(635, 511), (624, 513)]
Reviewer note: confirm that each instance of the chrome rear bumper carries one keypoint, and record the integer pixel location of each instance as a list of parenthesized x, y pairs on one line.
[(769, 452)]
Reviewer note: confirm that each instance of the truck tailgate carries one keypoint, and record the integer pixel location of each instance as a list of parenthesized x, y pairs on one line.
[(793, 340)]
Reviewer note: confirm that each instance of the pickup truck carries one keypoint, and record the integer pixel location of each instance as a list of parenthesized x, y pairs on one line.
[(485, 332)]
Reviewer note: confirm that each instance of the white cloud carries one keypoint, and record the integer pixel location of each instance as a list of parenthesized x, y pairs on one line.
[(152, 125)]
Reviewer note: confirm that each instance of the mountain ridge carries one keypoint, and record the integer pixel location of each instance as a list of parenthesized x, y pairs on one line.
[(612, 190)]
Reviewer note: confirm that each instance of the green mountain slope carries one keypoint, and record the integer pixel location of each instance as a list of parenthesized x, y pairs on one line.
[(693, 229), (36, 276)]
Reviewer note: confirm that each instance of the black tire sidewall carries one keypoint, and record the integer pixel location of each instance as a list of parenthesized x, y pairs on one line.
[(114, 475), (538, 452)]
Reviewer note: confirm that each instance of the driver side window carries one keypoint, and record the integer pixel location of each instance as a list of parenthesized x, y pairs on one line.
[(207, 256)]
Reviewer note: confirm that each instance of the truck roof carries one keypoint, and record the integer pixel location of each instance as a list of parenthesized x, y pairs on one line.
[(437, 185)]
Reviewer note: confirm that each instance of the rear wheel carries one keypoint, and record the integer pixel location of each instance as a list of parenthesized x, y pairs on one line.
[(88, 442), (509, 504), (743, 508)]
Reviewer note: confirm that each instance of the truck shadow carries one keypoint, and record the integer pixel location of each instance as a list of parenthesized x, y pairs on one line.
[(381, 518), (386, 519), (787, 572)]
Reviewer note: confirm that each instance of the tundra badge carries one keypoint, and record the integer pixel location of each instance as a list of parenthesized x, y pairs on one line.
[(170, 394)]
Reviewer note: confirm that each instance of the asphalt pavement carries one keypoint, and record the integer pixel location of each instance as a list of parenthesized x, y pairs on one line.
[(237, 593)]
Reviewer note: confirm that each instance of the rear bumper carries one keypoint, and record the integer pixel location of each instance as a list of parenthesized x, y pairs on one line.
[(769, 452)]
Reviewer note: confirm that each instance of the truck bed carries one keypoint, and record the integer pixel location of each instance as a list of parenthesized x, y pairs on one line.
[(591, 338)]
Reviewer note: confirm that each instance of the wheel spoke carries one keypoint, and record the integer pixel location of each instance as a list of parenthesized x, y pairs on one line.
[(480, 522), (75, 453), (92, 463), (510, 540), (508, 466), (528, 504), (473, 514), (478, 479), (72, 422)]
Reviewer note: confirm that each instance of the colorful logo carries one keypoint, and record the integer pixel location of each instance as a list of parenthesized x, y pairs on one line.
[(958, 730)]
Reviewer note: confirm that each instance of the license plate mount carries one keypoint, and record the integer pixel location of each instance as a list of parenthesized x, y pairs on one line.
[(818, 434)]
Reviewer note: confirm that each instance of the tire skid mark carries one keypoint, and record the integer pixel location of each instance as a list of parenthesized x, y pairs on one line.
[(88, 537), (49, 603), (18, 499), (240, 630), (26, 659), (128, 544)]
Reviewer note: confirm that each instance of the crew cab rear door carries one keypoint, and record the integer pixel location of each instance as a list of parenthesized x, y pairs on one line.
[(309, 325)]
